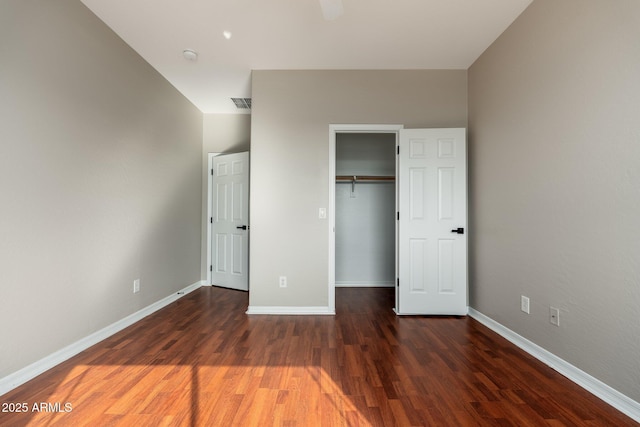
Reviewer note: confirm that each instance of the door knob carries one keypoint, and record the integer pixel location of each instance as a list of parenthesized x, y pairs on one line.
[(458, 230), (242, 227)]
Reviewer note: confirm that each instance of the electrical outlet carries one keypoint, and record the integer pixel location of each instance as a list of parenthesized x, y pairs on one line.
[(524, 304), (136, 286), (283, 281), (554, 316)]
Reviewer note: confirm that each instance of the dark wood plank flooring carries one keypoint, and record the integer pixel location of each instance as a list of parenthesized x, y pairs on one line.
[(203, 362)]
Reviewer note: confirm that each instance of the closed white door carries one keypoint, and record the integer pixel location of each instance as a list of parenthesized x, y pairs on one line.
[(432, 241), (230, 221)]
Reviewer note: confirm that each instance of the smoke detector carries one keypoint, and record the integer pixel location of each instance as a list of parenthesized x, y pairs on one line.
[(190, 55)]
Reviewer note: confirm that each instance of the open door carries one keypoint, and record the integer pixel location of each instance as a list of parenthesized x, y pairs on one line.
[(432, 224), (230, 221)]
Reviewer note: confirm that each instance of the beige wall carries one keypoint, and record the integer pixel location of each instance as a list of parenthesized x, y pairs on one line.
[(292, 111), (555, 182), (221, 133), (100, 180)]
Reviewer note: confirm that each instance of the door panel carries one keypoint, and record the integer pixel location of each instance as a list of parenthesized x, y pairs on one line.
[(230, 252), (220, 264), (418, 273), (432, 266), (446, 193), (238, 250), (417, 200), (237, 201), (446, 266)]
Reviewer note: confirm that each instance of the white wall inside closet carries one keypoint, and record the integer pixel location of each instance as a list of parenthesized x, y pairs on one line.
[(365, 212)]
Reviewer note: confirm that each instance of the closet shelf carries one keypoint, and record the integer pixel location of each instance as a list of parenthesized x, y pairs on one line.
[(354, 178)]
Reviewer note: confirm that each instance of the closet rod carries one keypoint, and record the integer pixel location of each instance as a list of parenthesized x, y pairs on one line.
[(351, 178)]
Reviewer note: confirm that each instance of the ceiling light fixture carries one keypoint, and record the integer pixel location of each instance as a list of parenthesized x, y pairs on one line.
[(190, 55), (226, 34)]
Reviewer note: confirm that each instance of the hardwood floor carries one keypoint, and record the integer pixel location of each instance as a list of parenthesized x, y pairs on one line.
[(203, 362)]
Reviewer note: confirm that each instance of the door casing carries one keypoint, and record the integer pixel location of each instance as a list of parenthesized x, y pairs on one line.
[(209, 213)]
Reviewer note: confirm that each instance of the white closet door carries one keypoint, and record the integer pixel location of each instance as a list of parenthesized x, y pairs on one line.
[(432, 244)]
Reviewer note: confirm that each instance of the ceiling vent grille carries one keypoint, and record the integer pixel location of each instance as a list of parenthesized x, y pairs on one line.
[(242, 103)]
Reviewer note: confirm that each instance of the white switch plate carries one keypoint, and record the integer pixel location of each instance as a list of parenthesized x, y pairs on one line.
[(554, 316), (283, 281), (322, 213), (524, 304), (136, 286)]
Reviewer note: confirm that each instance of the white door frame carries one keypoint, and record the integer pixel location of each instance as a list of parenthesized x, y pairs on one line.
[(333, 130), (209, 213)]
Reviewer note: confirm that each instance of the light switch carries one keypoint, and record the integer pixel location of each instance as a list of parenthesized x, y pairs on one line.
[(322, 213)]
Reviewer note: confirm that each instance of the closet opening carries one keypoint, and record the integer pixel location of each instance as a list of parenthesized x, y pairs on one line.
[(365, 211)]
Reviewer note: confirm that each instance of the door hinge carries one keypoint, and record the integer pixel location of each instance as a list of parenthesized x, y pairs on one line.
[(398, 149), (398, 216), (211, 268), (211, 172), (398, 282), (211, 220)]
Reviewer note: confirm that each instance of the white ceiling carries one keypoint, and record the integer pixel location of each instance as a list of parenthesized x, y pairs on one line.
[(292, 34)]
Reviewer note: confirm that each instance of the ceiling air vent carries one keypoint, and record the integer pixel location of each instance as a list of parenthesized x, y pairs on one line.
[(242, 103)]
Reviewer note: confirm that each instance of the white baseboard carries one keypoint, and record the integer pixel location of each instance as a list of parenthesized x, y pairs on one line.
[(27, 373), (621, 402), (289, 311), (365, 284)]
